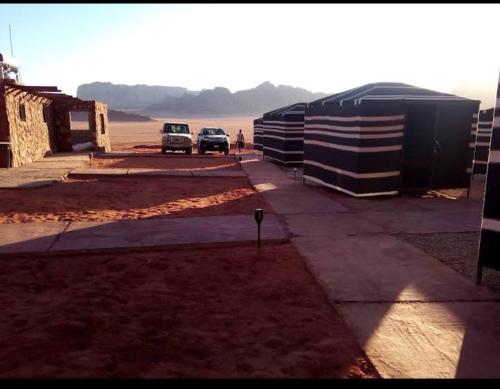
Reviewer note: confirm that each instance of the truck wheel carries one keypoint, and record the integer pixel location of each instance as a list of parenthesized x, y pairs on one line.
[(201, 151), (163, 150), (189, 151), (226, 151)]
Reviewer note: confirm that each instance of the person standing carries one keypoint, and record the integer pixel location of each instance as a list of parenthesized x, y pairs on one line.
[(240, 140)]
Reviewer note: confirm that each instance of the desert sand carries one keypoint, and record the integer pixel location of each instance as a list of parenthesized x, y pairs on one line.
[(130, 198), (176, 162), (133, 135), (203, 313)]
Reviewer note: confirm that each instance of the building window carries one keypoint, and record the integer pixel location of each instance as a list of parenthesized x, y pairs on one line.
[(103, 129), (22, 112)]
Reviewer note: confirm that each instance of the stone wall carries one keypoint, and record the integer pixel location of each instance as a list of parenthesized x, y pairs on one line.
[(30, 138), (99, 129), (4, 131), (43, 127), (67, 137)]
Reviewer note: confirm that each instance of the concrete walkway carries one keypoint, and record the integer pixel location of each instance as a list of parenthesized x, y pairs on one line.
[(29, 238), (414, 316), (42, 173), (138, 172), (120, 154)]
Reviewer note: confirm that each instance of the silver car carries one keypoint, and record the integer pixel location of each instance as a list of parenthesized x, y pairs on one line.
[(213, 139), (176, 136)]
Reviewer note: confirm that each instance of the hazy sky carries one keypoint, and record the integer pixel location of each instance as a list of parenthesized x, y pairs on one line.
[(321, 47)]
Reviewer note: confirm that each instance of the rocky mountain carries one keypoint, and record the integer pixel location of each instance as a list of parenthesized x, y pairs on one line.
[(128, 96), (262, 98), (180, 101), (120, 116), (113, 116)]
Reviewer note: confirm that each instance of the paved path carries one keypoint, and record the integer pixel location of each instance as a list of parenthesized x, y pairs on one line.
[(26, 238), (138, 172), (42, 173), (414, 316), (120, 154)]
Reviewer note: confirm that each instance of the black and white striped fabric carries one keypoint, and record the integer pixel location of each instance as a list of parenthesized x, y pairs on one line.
[(257, 134), (472, 143), (283, 134), (489, 247), (483, 138), (267, 142), (354, 140)]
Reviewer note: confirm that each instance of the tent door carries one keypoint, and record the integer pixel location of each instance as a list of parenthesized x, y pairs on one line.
[(418, 144), (449, 167)]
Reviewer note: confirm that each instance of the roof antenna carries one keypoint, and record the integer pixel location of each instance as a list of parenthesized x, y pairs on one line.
[(18, 74), (10, 37)]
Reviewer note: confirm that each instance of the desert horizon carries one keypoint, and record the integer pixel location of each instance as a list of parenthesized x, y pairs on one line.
[(125, 135)]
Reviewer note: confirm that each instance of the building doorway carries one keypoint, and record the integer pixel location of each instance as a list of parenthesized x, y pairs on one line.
[(418, 147)]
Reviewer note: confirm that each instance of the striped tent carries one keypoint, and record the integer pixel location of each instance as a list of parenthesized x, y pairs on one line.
[(483, 138), (283, 134), (384, 138), (489, 246), (257, 134)]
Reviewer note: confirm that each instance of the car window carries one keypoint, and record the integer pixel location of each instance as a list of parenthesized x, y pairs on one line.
[(213, 131), (176, 129)]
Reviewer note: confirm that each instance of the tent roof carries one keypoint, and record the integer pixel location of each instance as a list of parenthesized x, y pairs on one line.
[(382, 91), (275, 111), (294, 108), (286, 110), (488, 110)]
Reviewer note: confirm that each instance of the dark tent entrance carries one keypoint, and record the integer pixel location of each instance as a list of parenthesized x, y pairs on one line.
[(436, 146)]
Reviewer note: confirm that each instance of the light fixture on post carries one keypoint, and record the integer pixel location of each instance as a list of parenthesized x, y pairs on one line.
[(259, 216)]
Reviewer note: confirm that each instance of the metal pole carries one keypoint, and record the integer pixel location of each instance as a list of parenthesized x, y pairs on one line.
[(258, 237), (10, 38)]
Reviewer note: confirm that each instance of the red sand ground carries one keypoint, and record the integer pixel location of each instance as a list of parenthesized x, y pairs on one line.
[(168, 162), (130, 198), (131, 136), (154, 148), (233, 312)]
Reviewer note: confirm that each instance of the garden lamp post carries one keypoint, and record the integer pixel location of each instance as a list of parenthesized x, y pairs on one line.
[(259, 216)]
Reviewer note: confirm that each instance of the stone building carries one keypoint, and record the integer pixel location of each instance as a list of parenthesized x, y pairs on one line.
[(35, 121)]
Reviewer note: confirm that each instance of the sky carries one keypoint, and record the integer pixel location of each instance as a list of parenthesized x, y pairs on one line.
[(321, 47)]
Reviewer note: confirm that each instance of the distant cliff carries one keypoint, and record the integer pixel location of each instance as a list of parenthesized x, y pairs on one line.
[(217, 101), (113, 116), (120, 116), (128, 96)]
